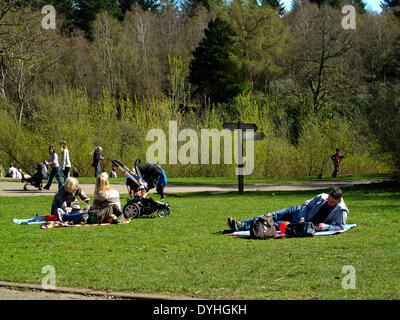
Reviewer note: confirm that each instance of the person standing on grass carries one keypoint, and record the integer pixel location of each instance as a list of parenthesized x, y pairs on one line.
[(65, 160), (336, 158), (96, 160), (162, 182), (55, 169), (325, 211)]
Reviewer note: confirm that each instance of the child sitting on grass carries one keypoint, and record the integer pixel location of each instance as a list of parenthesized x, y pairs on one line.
[(66, 197)]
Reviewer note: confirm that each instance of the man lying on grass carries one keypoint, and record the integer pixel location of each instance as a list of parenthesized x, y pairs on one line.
[(325, 211)]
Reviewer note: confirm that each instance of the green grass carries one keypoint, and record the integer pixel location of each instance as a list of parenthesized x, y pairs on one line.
[(188, 252), (248, 180)]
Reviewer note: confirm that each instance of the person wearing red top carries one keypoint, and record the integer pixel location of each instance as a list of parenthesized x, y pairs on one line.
[(336, 158)]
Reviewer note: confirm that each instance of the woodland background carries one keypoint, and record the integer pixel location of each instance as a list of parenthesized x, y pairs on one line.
[(112, 70)]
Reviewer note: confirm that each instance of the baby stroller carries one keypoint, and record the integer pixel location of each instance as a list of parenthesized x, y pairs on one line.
[(36, 179), (138, 204)]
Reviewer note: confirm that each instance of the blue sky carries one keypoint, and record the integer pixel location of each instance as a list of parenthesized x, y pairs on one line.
[(371, 5)]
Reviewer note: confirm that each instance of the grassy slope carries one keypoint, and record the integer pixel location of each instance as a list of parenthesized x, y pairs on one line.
[(188, 252)]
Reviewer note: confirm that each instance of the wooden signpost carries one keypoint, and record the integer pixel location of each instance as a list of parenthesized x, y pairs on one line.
[(249, 134)]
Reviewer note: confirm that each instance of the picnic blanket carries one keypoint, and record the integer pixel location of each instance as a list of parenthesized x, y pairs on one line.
[(54, 224), (317, 233), (35, 220), (57, 224)]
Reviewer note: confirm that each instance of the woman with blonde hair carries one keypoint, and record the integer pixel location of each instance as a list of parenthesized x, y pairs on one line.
[(104, 195), (65, 160)]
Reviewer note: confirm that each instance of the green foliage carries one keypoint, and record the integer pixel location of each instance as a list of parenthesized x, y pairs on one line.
[(212, 72)]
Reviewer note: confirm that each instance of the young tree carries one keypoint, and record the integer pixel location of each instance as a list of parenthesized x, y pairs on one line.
[(259, 35), (318, 55), (212, 71), (275, 4)]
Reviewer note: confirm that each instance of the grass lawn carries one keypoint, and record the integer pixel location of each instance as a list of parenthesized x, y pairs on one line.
[(188, 253)]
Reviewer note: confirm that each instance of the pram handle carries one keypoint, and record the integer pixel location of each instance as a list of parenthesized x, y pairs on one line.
[(137, 161)]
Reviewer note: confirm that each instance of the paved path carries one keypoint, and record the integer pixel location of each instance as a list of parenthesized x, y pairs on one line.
[(9, 188)]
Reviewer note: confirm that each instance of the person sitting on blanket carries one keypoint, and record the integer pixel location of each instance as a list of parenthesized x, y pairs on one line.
[(106, 207), (66, 197), (325, 211)]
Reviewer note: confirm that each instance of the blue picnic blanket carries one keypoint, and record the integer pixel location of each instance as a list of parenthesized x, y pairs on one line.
[(317, 233)]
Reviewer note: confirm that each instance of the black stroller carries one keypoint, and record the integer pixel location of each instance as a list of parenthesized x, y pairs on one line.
[(138, 204), (36, 179)]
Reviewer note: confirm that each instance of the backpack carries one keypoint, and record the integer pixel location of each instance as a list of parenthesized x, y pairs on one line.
[(263, 228), (305, 229)]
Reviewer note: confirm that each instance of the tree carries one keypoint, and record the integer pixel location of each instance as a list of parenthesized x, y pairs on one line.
[(318, 53), (393, 5), (146, 5), (259, 34), (275, 4), (359, 4), (212, 71), (86, 11)]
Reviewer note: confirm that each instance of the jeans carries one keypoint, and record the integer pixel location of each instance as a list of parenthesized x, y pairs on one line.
[(286, 214), (96, 170), (65, 173), (160, 189), (335, 170), (72, 216), (55, 172)]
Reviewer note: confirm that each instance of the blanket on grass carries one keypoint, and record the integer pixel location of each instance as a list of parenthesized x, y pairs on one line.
[(317, 233), (57, 224)]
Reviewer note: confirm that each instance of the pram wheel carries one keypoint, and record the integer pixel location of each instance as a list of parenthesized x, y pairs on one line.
[(162, 213), (131, 210), (25, 188)]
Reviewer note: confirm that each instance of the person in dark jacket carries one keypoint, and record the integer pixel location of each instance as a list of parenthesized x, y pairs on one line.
[(66, 197), (96, 160)]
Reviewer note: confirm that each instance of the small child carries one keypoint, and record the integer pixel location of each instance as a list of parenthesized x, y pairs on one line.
[(66, 197)]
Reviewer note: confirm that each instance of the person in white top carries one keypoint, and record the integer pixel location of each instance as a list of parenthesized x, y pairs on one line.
[(18, 174), (65, 160), (12, 173), (104, 174)]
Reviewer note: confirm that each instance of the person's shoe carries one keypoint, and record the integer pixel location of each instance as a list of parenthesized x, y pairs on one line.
[(239, 225), (231, 223), (46, 187), (60, 214)]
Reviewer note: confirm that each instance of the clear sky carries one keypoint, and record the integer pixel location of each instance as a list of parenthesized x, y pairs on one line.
[(371, 5)]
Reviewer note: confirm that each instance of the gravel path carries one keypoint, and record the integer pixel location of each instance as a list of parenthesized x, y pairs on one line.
[(10, 188)]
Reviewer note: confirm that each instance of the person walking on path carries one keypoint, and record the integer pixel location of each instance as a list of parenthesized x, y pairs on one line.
[(96, 160), (336, 158), (55, 169), (65, 160)]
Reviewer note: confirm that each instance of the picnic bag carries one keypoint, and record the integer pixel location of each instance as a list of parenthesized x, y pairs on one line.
[(263, 228), (305, 229)]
